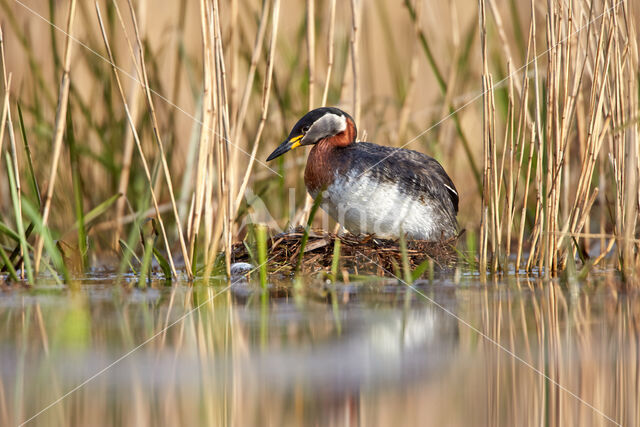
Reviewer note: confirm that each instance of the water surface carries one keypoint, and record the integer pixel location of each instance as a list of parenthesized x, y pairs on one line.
[(510, 351)]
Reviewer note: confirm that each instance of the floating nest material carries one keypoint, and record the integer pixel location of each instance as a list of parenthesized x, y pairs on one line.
[(361, 254)]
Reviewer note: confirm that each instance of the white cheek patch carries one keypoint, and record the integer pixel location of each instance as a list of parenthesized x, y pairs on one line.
[(329, 124), (338, 123)]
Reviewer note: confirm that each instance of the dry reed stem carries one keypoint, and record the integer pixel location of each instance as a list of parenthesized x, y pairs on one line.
[(330, 51), (523, 212), (212, 205), (303, 214), (127, 152), (12, 138), (311, 51), (143, 77), (486, 220), (597, 128), (212, 231), (6, 120), (204, 144), (405, 109), (178, 66), (626, 106), (128, 219), (301, 217), (557, 214), (5, 108), (507, 138), (137, 140), (356, 10), (204, 184), (6, 85), (505, 46), (512, 141), (605, 236), (266, 91), (538, 134), (224, 219), (240, 114), (233, 38), (228, 174), (496, 237), (60, 122), (524, 123)]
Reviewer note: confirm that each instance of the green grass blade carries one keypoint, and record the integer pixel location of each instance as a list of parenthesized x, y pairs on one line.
[(305, 236), (425, 265), (32, 176), (4, 229), (145, 271), (164, 264), (7, 263), (128, 255), (76, 180), (49, 243), (16, 251), (194, 259), (126, 247), (335, 307), (261, 239), (96, 212), (335, 261), (132, 239), (406, 265), (19, 223)]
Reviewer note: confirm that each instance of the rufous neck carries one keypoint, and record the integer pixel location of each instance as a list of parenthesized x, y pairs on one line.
[(344, 138)]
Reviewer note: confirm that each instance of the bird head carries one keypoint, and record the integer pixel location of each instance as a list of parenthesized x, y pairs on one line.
[(317, 125)]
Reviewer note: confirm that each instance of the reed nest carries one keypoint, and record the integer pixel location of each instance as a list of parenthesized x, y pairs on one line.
[(359, 254)]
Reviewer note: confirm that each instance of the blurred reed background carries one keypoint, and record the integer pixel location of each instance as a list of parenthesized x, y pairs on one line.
[(123, 112)]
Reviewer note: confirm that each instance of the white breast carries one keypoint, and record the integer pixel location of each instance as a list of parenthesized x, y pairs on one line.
[(363, 205)]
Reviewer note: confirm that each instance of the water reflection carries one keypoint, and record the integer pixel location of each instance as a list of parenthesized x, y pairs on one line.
[(518, 352)]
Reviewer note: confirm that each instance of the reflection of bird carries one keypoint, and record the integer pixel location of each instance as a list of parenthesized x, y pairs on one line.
[(370, 188)]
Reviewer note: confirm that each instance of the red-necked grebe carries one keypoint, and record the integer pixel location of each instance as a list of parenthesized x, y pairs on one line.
[(371, 188)]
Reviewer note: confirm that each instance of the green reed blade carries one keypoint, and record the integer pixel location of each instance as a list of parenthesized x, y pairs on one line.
[(4, 229), (305, 236), (145, 268), (164, 264), (194, 259), (261, 240), (76, 180), (96, 212), (49, 242), (335, 261), (406, 264), (5, 259), (32, 175), (425, 265), (18, 216), (128, 255)]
